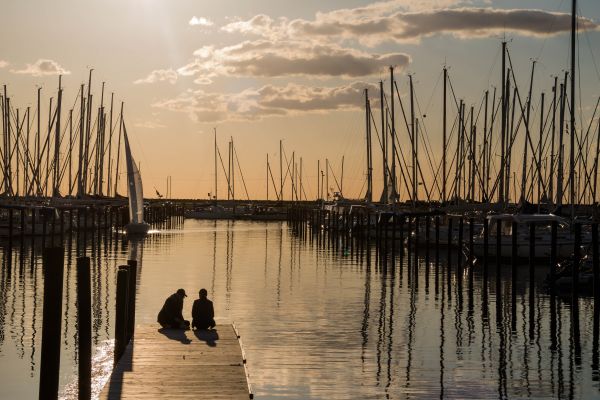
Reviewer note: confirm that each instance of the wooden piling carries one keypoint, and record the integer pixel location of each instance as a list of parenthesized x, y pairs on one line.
[(84, 326), (53, 261), (121, 312), (132, 269)]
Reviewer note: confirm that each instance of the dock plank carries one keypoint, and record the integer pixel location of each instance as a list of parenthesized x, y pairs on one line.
[(178, 364)]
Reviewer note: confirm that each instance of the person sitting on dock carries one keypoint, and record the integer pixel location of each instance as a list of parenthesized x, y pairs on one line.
[(203, 313), (170, 315)]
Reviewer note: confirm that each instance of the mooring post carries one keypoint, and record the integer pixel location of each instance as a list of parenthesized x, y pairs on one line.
[(132, 269), (449, 264), (513, 293), (427, 237), (84, 327), (10, 233), (531, 280), (121, 312), (460, 247), (23, 226), (486, 238), (596, 272), (575, 293), (416, 249), (437, 253), (471, 257), (53, 259), (498, 262)]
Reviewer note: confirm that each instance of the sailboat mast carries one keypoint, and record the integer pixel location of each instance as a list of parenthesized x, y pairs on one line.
[(572, 123), (384, 196), (444, 138), (215, 131), (55, 190), (503, 130), (369, 194), (393, 135)]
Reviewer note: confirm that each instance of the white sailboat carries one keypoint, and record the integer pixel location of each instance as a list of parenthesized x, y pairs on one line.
[(135, 192)]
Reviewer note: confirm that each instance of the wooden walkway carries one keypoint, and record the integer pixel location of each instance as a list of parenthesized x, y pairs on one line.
[(169, 364)]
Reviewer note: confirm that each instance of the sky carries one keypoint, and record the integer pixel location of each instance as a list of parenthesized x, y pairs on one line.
[(262, 71)]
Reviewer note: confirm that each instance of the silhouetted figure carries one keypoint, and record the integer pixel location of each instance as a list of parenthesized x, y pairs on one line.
[(203, 313), (170, 315)]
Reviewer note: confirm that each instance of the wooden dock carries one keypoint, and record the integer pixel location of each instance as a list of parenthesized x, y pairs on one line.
[(169, 363)]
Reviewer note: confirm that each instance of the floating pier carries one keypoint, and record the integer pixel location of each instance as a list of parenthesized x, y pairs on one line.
[(174, 363)]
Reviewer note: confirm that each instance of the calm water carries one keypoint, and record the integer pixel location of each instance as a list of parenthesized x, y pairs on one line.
[(315, 322)]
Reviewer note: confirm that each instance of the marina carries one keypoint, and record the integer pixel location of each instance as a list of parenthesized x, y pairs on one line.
[(405, 207)]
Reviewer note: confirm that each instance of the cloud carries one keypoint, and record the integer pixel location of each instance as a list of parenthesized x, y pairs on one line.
[(3, 64), (398, 22), (159, 75), (200, 21), (267, 101), (264, 58), (148, 125), (42, 67)]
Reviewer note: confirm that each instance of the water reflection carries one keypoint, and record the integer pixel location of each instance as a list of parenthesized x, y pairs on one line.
[(321, 317)]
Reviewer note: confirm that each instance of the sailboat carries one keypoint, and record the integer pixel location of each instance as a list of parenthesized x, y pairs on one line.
[(135, 192)]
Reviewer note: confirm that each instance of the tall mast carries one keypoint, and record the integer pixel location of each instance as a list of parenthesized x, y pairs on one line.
[(572, 123), (539, 182), (110, 134), (444, 138), (553, 127), (118, 151), (503, 133), (414, 140), (527, 136), (384, 194), (55, 189), (485, 164), (280, 170), (393, 136), (369, 194), (216, 187), (80, 165)]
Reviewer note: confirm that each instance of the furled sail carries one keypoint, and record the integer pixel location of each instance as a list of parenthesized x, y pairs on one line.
[(134, 186)]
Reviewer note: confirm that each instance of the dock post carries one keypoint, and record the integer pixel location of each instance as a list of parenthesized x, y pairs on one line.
[(10, 234), (409, 246), (449, 263), (132, 269), (513, 292), (416, 249), (460, 247), (437, 253), (471, 257), (53, 258), (575, 293), (84, 327), (596, 272), (427, 229), (486, 238), (23, 225), (498, 264), (121, 312), (531, 280)]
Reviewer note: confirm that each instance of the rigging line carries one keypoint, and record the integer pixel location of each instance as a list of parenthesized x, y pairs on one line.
[(400, 154), (224, 172), (523, 117), (411, 140), (551, 27), (381, 146), (241, 173), (273, 181), (426, 139), (427, 143)]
